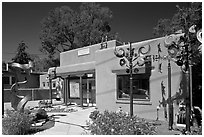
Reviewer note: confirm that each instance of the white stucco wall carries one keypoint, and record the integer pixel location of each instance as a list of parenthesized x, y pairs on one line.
[(106, 97)]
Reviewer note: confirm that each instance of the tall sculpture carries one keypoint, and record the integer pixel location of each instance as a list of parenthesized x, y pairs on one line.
[(19, 102)]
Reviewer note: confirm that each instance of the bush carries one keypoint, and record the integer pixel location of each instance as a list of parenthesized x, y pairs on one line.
[(194, 131), (16, 123), (112, 123)]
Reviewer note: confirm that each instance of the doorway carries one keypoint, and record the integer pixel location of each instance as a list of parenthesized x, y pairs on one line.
[(91, 92)]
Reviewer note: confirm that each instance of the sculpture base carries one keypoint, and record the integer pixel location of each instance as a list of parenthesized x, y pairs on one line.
[(43, 124)]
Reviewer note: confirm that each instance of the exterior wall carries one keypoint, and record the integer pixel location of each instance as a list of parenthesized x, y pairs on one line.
[(106, 85), (71, 57)]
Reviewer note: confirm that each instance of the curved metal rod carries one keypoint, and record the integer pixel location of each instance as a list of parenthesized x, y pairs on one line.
[(140, 54), (143, 47), (23, 102), (22, 66), (119, 55)]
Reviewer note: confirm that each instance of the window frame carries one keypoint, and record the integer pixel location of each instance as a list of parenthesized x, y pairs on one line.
[(143, 76)]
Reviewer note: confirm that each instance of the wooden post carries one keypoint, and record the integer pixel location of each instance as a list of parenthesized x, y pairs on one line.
[(50, 85), (80, 91)]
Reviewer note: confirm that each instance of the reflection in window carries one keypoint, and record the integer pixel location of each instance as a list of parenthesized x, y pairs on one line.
[(140, 86)]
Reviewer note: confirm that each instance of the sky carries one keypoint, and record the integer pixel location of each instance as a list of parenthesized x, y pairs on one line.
[(133, 21)]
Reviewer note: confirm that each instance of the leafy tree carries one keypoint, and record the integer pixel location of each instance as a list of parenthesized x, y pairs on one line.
[(22, 56), (43, 64), (192, 15), (50, 62), (65, 29), (58, 30), (94, 24), (182, 21)]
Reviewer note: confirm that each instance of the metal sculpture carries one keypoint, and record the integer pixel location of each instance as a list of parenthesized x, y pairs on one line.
[(128, 58), (163, 103), (19, 102), (181, 51)]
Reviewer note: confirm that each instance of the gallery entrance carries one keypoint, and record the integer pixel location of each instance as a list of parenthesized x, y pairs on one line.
[(81, 89)]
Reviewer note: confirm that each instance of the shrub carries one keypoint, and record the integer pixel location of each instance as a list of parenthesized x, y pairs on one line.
[(16, 123), (112, 123), (194, 131)]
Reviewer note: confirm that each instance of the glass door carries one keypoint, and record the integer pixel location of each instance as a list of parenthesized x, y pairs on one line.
[(91, 92)]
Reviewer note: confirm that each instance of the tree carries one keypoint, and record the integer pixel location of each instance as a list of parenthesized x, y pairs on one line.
[(43, 64), (182, 21), (94, 24), (22, 56), (58, 30), (192, 14), (65, 29)]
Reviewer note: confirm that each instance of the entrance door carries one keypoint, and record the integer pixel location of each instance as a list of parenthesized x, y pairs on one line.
[(91, 92)]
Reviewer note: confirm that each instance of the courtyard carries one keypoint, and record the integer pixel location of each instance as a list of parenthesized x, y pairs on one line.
[(75, 123)]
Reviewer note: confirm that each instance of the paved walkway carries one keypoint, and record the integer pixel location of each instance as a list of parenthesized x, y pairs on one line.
[(69, 123), (162, 129)]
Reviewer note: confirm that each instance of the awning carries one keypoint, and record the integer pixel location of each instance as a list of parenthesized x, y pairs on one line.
[(75, 69)]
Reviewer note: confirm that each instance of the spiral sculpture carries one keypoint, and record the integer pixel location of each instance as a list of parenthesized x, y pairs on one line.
[(19, 102)]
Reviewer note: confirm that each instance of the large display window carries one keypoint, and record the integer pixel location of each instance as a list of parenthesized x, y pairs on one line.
[(140, 87)]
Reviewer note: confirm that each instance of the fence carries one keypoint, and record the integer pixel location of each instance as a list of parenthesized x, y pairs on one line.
[(35, 93)]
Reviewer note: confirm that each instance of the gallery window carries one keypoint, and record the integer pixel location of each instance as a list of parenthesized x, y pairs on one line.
[(140, 86)]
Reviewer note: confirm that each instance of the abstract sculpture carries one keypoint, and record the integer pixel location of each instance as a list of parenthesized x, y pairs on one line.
[(19, 102)]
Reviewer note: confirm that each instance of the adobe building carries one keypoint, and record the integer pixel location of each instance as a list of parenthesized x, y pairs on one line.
[(44, 82), (93, 74)]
